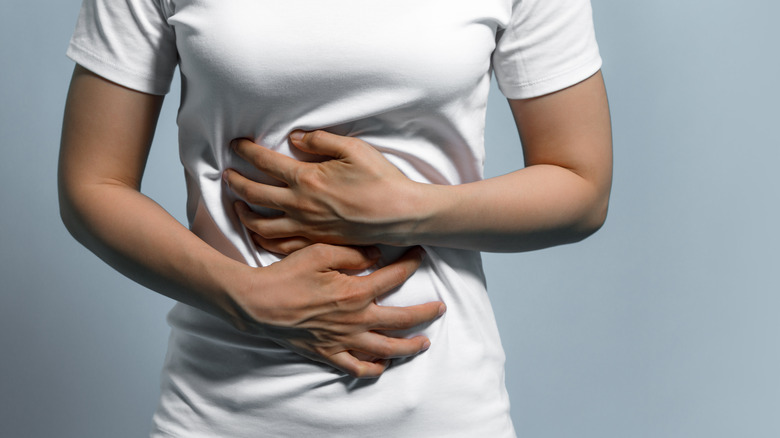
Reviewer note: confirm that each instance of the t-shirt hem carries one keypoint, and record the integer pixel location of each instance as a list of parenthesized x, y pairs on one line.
[(108, 70), (551, 84)]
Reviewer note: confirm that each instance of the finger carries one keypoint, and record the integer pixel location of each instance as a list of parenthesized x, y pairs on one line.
[(273, 163), (385, 347), (401, 318), (256, 193), (277, 227), (388, 277), (358, 365), (281, 246), (322, 143), (364, 356), (358, 368), (336, 257)]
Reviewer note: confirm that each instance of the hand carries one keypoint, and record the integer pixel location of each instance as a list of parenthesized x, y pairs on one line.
[(354, 197), (307, 304)]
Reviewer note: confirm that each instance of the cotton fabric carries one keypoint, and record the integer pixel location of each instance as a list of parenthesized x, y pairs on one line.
[(409, 77)]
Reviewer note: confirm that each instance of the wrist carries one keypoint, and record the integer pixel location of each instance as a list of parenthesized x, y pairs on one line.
[(252, 305), (425, 205), (236, 282)]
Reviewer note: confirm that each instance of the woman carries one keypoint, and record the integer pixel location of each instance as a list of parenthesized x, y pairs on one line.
[(320, 141)]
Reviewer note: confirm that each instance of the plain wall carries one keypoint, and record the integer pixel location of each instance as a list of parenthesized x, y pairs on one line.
[(663, 324)]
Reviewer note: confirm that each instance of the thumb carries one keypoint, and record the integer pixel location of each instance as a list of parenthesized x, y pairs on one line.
[(336, 257)]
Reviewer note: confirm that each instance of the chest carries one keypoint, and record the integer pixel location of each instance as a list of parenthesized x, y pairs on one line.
[(286, 48)]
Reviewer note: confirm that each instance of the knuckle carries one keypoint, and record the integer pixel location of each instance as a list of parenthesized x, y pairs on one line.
[(243, 190), (252, 193), (260, 235), (270, 246), (364, 371), (321, 251), (350, 299), (316, 136), (262, 242), (385, 348), (336, 256), (286, 247), (353, 143), (309, 178), (357, 371), (257, 229)]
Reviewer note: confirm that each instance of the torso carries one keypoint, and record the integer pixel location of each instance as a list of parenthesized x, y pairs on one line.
[(410, 78)]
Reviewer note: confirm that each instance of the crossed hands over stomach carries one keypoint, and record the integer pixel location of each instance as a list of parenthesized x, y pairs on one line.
[(306, 302), (354, 197)]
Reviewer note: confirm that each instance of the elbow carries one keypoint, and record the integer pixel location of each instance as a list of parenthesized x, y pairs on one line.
[(76, 199), (597, 222), (65, 198), (593, 220), (594, 215), (70, 216), (599, 214)]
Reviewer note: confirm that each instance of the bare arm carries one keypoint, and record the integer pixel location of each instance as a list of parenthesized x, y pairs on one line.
[(561, 195), (107, 133)]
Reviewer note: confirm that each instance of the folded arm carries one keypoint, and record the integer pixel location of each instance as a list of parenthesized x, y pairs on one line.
[(304, 302), (561, 196), (358, 197)]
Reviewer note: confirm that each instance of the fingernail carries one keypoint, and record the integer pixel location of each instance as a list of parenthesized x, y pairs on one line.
[(234, 143), (225, 176), (426, 345), (442, 309), (297, 135)]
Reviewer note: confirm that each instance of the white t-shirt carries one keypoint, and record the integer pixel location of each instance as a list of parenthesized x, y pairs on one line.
[(410, 77)]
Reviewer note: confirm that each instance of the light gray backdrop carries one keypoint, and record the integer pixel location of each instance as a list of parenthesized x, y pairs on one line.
[(664, 324)]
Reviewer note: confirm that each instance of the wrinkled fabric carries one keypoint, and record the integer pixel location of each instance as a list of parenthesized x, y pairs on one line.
[(409, 77)]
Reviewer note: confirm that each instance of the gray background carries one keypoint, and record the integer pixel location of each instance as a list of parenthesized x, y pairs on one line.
[(664, 324)]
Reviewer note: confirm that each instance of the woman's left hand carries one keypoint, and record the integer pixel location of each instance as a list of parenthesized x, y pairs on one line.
[(356, 196)]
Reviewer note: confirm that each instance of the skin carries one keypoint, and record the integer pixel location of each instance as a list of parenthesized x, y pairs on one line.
[(305, 302)]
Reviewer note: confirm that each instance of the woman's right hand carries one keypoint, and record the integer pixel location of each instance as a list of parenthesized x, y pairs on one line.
[(307, 303), (304, 302)]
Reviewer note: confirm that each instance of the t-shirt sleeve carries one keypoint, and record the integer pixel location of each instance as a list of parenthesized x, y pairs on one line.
[(548, 45), (126, 41)]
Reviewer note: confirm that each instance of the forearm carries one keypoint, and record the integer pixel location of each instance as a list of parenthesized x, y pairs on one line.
[(561, 196), (304, 302), (106, 134), (141, 240), (532, 208), (358, 197), (291, 305)]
